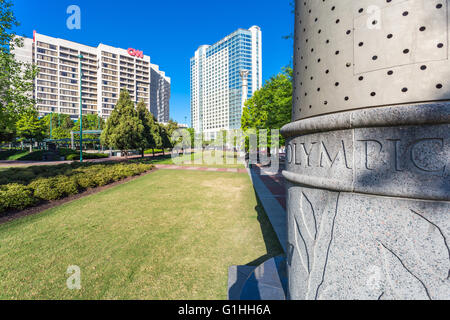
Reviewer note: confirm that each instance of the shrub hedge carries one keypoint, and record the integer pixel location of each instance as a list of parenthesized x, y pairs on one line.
[(24, 187), (37, 155), (16, 196), (76, 156)]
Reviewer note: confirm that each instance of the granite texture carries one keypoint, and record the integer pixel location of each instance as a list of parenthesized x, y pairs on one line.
[(267, 281), (368, 151), (369, 211), (392, 161), (237, 276), (417, 114), (353, 246)]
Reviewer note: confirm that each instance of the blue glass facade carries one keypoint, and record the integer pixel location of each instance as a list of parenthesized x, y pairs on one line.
[(235, 52)]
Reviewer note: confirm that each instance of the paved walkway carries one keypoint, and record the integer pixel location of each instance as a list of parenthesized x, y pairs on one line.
[(275, 183), (272, 194)]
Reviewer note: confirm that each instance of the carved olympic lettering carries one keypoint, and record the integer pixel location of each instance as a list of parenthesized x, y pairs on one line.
[(393, 154)]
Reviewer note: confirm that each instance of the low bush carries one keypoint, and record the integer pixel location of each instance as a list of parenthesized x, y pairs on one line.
[(15, 196), (45, 189), (38, 155), (13, 154), (85, 181), (33, 156), (150, 151), (24, 187), (72, 157), (67, 186), (103, 178), (87, 156), (95, 156)]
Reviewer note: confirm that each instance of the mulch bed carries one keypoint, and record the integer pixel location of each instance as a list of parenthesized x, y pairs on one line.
[(14, 215)]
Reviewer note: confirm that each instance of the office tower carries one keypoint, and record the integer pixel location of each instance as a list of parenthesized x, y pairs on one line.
[(221, 74), (159, 94)]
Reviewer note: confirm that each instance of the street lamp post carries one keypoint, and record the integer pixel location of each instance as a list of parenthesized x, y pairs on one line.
[(81, 113)]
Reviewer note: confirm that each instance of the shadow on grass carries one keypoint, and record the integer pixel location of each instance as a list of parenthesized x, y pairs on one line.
[(273, 246)]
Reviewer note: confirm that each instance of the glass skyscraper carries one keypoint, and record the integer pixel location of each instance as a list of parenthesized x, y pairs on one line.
[(216, 83)]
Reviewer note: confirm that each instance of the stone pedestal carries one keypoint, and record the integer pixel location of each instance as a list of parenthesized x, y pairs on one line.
[(368, 152)]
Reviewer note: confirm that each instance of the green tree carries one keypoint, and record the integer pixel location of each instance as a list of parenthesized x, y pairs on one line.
[(124, 130), (30, 128), (156, 132), (270, 107), (150, 128), (166, 133), (171, 126), (61, 125), (165, 138), (90, 122), (59, 133), (192, 134), (16, 78)]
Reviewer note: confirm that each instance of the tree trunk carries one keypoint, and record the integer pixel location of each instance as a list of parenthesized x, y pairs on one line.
[(153, 151), (143, 152)]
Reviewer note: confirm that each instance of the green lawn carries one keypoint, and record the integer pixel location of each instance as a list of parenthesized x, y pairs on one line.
[(13, 154), (167, 235), (199, 160)]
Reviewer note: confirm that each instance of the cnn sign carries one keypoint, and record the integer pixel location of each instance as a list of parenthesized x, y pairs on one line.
[(136, 53)]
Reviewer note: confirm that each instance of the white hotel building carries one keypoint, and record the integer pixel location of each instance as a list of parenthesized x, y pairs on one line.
[(105, 70), (218, 90), (159, 94)]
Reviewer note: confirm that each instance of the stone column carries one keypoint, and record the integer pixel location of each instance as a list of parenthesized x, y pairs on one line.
[(368, 151)]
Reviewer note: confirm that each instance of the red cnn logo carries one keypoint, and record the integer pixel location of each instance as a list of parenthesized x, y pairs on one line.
[(136, 53)]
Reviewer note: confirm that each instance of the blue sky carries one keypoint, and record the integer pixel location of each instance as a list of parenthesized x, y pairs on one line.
[(168, 31)]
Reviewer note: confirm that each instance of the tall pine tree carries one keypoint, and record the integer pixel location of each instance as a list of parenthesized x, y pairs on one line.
[(124, 130), (151, 133)]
